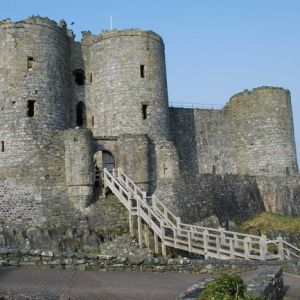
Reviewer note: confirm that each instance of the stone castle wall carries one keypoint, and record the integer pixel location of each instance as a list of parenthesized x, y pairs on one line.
[(253, 134), (122, 98), (64, 104), (33, 72), (263, 133)]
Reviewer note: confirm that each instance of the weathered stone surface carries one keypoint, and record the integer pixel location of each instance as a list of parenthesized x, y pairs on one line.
[(68, 109)]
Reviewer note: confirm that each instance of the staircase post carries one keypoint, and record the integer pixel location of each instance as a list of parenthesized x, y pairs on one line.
[(163, 246), (163, 249), (190, 241), (140, 235), (146, 235), (247, 240), (263, 247), (131, 229), (205, 243), (218, 245), (222, 234), (156, 250), (280, 248)]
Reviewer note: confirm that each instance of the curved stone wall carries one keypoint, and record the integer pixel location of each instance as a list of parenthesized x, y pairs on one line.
[(33, 85), (261, 124), (128, 94)]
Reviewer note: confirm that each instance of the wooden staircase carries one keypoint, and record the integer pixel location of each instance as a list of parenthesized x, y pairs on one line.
[(150, 215)]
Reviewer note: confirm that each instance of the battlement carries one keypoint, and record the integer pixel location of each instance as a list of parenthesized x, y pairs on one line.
[(255, 91), (106, 34), (35, 20)]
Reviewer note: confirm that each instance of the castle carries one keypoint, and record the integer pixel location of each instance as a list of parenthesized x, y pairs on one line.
[(70, 109)]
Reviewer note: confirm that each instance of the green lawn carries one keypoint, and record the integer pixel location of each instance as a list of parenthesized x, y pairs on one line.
[(269, 221)]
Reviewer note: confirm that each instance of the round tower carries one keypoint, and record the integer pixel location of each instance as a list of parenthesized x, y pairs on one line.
[(263, 134), (128, 93), (33, 85)]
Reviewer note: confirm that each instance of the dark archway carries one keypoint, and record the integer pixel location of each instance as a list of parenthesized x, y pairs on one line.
[(80, 114), (108, 160)]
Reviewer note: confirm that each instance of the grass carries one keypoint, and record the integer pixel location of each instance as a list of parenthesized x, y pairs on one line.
[(270, 221)]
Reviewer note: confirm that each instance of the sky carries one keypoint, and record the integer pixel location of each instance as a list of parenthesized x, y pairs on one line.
[(214, 48)]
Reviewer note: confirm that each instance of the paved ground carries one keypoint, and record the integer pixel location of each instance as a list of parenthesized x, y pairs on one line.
[(109, 286), (292, 284), (96, 285)]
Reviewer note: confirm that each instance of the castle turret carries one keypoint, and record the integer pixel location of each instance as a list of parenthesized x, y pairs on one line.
[(33, 85), (128, 93), (262, 130)]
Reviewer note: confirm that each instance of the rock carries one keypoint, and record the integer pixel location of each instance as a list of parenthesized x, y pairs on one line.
[(211, 222), (37, 238)]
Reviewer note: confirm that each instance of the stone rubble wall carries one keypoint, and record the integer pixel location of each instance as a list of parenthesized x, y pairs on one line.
[(229, 197)]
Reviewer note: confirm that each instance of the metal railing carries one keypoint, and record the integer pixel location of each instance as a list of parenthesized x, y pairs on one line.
[(195, 105)]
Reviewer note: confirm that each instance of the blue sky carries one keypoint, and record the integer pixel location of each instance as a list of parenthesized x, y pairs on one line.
[(214, 49)]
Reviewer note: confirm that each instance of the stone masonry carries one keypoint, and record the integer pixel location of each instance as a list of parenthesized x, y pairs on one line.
[(68, 109)]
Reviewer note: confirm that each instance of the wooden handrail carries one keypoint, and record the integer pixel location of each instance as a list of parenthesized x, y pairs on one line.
[(210, 242)]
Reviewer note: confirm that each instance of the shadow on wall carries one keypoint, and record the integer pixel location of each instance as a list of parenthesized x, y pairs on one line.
[(182, 121)]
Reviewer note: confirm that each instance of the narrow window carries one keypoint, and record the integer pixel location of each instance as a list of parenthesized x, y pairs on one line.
[(91, 77), (80, 114), (93, 122), (142, 71), (2, 146), (30, 108), (144, 111), (30, 62), (79, 76)]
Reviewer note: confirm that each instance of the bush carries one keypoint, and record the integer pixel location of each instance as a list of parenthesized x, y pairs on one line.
[(225, 287)]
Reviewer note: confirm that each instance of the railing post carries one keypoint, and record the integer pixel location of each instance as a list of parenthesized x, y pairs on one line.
[(280, 248), (218, 245), (163, 249), (190, 241), (156, 250), (222, 234), (146, 235), (175, 237), (131, 229), (205, 243), (247, 240), (263, 247), (140, 236)]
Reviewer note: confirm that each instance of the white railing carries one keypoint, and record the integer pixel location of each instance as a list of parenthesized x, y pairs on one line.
[(168, 228)]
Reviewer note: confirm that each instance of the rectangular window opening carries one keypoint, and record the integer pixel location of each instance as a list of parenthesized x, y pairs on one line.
[(30, 108), (91, 77), (30, 62), (2, 146), (142, 71), (144, 111), (93, 122)]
